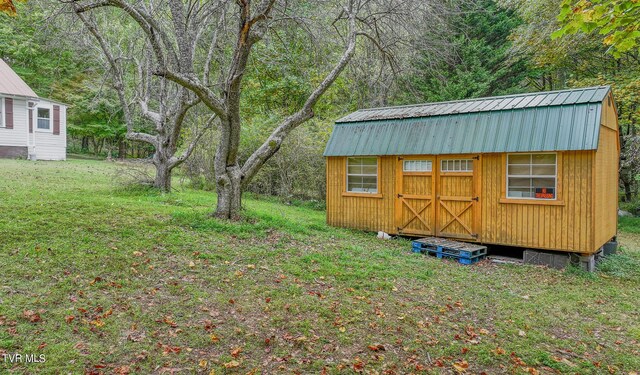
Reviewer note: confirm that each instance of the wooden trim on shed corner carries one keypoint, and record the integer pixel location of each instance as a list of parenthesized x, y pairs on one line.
[(477, 182), (593, 196), (398, 190)]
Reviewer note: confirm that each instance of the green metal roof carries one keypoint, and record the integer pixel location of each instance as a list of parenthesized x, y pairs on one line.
[(548, 121)]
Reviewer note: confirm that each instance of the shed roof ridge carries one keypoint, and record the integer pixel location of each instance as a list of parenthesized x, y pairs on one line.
[(368, 114), (580, 89)]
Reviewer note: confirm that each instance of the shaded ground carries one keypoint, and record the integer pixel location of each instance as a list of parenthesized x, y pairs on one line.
[(104, 280)]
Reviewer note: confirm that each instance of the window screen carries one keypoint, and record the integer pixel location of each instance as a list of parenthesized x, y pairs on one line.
[(531, 176), (362, 175)]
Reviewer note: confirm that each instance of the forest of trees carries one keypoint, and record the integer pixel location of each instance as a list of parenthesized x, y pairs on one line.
[(97, 55)]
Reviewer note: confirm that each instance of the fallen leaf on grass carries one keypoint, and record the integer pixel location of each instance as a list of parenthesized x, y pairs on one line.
[(69, 318), (169, 320), (498, 351), (461, 366), (97, 323), (31, 316), (522, 333), (235, 353), (377, 348), (136, 336), (122, 370), (232, 364), (358, 365), (214, 338), (42, 345), (202, 363)]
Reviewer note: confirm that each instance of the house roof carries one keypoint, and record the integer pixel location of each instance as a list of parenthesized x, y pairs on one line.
[(546, 121), (12, 84)]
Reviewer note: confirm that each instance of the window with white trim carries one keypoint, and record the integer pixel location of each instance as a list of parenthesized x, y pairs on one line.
[(456, 165), (532, 176), (2, 112), (362, 175), (44, 118), (417, 166)]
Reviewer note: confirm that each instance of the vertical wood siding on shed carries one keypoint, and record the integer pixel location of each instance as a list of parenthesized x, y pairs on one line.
[(567, 226), (606, 178), (364, 213), (556, 227)]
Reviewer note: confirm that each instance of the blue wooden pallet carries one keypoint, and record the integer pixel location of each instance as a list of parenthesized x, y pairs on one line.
[(462, 252), (461, 260)]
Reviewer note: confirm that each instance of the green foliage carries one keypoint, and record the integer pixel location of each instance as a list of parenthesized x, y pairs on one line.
[(481, 63), (617, 20), (629, 224)]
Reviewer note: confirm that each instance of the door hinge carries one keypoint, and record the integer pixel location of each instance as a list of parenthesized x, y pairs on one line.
[(475, 235), (399, 195), (477, 199), (400, 158), (477, 157)]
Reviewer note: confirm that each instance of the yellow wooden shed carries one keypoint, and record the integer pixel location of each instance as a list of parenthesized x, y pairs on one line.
[(535, 170)]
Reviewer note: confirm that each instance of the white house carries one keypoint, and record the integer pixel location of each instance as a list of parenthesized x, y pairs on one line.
[(30, 126)]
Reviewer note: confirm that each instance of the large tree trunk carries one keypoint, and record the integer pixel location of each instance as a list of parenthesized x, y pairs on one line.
[(164, 167), (122, 149), (229, 192)]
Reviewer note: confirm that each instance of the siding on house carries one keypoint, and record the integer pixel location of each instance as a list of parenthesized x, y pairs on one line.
[(18, 135), (45, 144)]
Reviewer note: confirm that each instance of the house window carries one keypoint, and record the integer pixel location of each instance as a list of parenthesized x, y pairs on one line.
[(417, 166), (532, 176), (44, 118), (362, 175), (456, 165)]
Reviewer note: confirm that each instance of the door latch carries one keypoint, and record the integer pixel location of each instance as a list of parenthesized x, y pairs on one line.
[(477, 199)]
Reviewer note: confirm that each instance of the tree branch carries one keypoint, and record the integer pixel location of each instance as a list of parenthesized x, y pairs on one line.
[(273, 143)]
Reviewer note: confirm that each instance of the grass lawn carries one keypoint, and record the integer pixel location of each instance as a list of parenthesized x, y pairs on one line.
[(104, 280)]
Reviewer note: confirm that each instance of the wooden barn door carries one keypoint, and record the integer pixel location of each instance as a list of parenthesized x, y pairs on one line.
[(415, 187), (457, 207)]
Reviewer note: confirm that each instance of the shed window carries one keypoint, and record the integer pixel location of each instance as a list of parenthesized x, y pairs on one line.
[(417, 166), (456, 165), (532, 176), (362, 175), (44, 118)]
